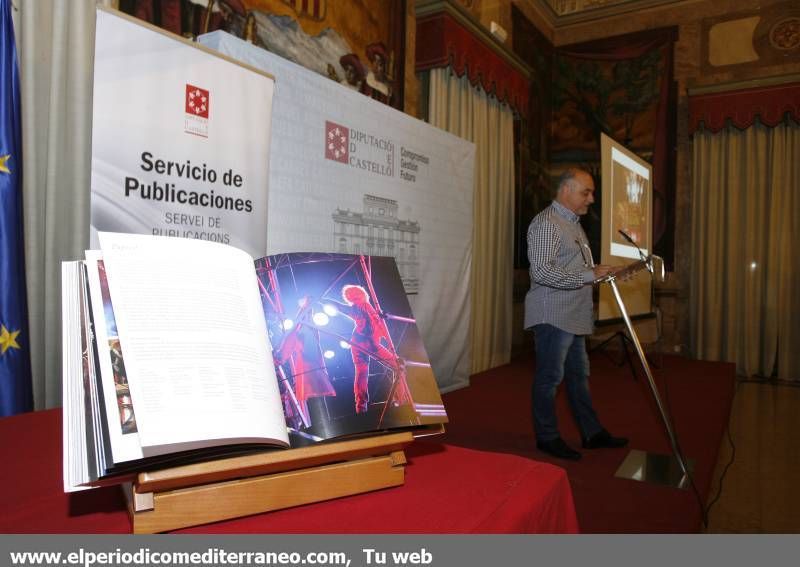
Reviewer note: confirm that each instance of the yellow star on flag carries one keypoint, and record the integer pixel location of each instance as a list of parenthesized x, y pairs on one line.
[(7, 339), (3, 161)]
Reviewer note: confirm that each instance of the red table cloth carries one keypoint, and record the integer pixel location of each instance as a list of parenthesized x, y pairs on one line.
[(448, 490)]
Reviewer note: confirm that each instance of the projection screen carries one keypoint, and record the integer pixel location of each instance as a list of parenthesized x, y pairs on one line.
[(627, 206)]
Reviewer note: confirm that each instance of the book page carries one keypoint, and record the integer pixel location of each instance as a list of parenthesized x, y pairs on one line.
[(197, 356), (118, 406), (350, 357), (75, 368)]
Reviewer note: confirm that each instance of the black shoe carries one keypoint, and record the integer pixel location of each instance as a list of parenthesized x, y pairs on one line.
[(557, 448), (603, 440)]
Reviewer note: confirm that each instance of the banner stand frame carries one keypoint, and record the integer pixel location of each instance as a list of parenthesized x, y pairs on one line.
[(223, 489)]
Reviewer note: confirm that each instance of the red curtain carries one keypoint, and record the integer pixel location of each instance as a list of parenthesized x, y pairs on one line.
[(769, 104), (442, 41)]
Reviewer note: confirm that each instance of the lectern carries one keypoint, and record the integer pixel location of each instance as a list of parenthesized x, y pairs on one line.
[(667, 470)]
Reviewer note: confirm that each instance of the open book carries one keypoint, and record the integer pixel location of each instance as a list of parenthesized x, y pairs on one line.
[(181, 350)]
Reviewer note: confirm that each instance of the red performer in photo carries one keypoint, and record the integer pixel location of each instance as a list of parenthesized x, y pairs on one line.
[(368, 332), (301, 349)]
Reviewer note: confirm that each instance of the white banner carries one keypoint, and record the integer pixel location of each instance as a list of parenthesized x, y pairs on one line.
[(348, 174), (180, 139)]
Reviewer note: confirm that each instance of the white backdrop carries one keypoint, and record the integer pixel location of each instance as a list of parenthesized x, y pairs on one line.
[(174, 151), (349, 174)]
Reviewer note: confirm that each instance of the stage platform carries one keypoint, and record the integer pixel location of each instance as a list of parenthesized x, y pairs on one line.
[(493, 414)]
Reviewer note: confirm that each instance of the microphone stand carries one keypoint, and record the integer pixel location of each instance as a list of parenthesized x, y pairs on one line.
[(628, 237), (623, 338), (639, 465), (649, 264)]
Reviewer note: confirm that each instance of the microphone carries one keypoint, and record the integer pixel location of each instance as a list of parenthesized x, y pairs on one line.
[(627, 237)]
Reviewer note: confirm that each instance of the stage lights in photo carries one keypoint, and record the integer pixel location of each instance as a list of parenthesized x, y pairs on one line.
[(343, 334), (320, 319)]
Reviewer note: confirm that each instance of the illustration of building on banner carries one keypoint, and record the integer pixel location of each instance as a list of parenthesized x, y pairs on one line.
[(377, 231)]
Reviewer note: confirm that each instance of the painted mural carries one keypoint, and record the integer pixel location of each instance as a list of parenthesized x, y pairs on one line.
[(358, 43), (618, 98)]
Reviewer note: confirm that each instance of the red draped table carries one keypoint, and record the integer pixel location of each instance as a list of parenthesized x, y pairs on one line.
[(448, 490)]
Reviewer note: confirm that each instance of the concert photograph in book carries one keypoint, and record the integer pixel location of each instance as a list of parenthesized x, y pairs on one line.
[(347, 351), (127, 418), (182, 350)]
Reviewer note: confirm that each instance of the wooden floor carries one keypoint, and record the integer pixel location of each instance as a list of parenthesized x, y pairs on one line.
[(761, 489)]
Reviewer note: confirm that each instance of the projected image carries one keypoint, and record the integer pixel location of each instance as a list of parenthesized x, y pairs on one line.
[(626, 209), (630, 206), (347, 351)]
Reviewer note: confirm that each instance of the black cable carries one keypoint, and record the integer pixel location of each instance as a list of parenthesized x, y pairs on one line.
[(680, 454), (739, 382), (730, 461)]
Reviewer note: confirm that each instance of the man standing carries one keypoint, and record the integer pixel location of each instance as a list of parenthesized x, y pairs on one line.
[(559, 309)]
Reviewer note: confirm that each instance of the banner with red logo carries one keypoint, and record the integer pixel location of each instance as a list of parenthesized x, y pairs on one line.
[(180, 139), (349, 174)]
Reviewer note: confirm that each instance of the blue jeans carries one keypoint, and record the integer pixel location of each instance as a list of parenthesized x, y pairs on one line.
[(561, 355)]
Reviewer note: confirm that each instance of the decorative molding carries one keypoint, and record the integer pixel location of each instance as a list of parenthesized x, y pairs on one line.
[(542, 11), (761, 82), (585, 11), (772, 18)]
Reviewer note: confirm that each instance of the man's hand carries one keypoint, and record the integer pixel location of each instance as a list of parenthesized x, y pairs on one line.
[(602, 270)]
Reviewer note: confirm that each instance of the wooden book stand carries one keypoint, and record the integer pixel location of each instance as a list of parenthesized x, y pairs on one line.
[(240, 486)]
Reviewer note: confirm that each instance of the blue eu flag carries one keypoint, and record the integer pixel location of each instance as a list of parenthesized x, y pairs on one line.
[(15, 365)]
